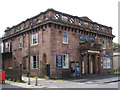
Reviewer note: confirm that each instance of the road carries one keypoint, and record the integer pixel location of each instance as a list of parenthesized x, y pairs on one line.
[(100, 82)]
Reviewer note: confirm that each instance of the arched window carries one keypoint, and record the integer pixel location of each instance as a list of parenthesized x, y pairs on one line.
[(104, 44)]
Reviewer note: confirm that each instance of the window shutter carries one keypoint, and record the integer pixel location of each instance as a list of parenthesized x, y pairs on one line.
[(37, 37), (31, 62), (66, 60), (31, 39), (37, 61)]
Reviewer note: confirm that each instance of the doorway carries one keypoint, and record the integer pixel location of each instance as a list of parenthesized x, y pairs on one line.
[(92, 64)]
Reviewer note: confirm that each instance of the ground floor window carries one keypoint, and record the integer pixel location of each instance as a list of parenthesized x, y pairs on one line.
[(65, 61), (34, 62), (62, 61), (106, 63)]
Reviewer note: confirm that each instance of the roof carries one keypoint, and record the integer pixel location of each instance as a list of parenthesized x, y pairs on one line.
[(84, 18)]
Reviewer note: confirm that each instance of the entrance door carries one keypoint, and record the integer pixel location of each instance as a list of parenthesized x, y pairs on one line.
[(93, 64)]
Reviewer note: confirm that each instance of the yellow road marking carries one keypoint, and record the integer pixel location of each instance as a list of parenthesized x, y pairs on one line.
[(54, 87), (81, 83)]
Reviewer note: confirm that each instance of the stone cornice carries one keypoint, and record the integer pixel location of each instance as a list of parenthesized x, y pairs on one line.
[(58, 22)]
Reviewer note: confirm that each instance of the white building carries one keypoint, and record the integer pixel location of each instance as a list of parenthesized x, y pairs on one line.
[(116, 59)]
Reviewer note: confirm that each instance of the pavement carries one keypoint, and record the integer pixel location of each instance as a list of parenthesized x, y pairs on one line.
[(103, 81), (97, 79)]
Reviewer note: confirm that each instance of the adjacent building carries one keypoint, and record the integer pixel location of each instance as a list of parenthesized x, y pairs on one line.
[(116, 59), (0, 53), (60, 40)]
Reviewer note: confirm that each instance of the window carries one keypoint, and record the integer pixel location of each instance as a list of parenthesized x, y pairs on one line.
[(2, 46), (98, 27), (57, 16), (34, 39), (72, 20), (106, 63), (65, 61), (6, 45), (80, 22), (64, 18), (65, 37), (103, 28), (20, 43), (85, 23), (91, 26), (104, 44), (34, 62), (38, 20)]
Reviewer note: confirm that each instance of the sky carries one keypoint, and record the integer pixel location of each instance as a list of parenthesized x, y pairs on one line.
[(104, 12)]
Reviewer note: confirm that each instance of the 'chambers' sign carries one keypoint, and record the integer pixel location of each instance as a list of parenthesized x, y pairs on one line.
[(87, 38)]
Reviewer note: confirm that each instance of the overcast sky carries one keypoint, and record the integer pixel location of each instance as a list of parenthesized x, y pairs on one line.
[(105, 12)]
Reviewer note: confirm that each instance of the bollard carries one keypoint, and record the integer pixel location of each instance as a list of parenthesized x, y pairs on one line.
[(36, 83), (28, 79), (20, 71)]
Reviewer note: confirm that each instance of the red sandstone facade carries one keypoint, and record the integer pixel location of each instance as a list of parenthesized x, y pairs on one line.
[(49, 26)]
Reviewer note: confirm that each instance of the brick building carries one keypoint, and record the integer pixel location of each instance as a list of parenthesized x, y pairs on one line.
[(61, 40)]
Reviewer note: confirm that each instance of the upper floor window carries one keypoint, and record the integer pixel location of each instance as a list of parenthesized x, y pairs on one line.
[(72, 20), (57, 16), (20, 43), (2, 46), (64, 18), (6, 45), (31, 23), (80, 22), (98, 27), (86, 23), (34, 38), (65, 37), (38, 20), (103, 28), (92, 26), (104, 44)]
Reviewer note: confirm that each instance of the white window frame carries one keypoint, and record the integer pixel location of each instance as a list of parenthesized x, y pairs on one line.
[(63, 37), (32, 37), (66, 66), (20, 42), (6, 45), (32, 63)]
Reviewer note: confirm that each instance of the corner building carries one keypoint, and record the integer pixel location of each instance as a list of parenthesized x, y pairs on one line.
[(61, 41)]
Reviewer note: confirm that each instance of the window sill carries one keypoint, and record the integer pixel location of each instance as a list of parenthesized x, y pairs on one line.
[(34, 44), (65, 43), (20, 48), (34, 68)]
